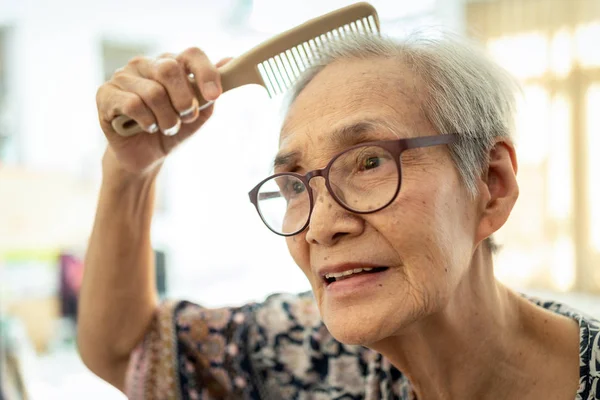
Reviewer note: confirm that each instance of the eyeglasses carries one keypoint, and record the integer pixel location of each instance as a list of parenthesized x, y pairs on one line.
[(362, 179)]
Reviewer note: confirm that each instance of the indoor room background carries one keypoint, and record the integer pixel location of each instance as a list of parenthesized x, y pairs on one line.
[(53, 57)]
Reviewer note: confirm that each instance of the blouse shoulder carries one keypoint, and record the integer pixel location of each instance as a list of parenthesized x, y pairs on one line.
[(589, 347)]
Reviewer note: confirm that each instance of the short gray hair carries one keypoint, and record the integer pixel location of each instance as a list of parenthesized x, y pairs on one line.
[(466, 92)]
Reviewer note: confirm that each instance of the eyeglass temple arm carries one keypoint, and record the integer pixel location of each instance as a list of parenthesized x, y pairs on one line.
[(427, 141), (268, 195)]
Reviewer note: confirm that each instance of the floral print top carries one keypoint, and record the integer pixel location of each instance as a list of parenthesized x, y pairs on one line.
[(280, 349)]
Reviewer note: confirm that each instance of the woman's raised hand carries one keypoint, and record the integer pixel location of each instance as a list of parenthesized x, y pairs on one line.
[(158, 95)]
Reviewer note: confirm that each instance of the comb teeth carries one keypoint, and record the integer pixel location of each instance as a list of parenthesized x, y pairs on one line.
[(280, 72)]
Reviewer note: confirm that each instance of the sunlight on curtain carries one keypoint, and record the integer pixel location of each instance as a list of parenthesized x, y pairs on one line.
[(523, 257), (512, 51), (587, 44), (560, 165), (593, 140), (539, 246), (532, 125), (561, 49), (562, 263)]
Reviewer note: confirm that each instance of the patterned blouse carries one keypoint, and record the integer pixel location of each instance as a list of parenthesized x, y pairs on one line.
[(280, 349)]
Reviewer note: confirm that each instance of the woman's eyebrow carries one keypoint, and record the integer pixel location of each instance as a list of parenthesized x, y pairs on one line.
[(355, 133), (286, 159), (341, 137)]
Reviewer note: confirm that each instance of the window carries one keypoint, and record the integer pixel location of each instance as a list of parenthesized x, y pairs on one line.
[(593, 142), (552, 240)]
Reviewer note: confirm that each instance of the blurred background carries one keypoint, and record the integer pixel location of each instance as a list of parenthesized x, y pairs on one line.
[(54, 55)]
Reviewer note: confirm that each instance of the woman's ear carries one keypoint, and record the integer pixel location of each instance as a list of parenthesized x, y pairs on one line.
[(498, 189)]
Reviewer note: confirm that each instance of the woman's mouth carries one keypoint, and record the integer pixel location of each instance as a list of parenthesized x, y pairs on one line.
[(351, 273)]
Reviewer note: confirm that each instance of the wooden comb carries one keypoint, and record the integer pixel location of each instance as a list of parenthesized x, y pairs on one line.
[(277, 63)]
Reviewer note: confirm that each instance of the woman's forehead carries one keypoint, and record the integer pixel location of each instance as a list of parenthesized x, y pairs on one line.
[(375, 92)]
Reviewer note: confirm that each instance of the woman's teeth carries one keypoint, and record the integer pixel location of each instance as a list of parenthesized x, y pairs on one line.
[(337, 275)]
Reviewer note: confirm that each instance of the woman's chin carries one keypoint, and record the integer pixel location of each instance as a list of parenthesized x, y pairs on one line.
[(367, 324), (354, 330)]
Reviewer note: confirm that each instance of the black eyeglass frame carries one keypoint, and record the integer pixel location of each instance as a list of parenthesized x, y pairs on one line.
[(395, 147)]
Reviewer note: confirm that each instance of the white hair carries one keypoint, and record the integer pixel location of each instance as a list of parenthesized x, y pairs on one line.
[(465, 92)]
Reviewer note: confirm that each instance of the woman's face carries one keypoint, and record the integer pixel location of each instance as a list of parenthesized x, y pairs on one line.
[(424, 239)]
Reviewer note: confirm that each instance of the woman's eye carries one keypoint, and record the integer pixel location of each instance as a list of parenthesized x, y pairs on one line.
[(292, 187), (372, 162), (298, 187)]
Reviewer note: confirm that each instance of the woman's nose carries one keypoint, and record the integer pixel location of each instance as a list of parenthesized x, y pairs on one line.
[(329, 222)]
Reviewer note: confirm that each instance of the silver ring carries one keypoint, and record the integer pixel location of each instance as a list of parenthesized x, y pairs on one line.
[(205, 106), (173, 130), (152, 128), (188, 112)]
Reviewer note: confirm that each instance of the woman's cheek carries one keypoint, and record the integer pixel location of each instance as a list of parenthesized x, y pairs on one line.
[(299, 250)]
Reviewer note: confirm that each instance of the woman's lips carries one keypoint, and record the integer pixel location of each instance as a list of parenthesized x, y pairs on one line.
[(343, 268), (357, 283), (351, 274)]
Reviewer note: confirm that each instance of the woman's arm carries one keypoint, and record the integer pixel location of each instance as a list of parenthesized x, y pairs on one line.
[(118, 296)]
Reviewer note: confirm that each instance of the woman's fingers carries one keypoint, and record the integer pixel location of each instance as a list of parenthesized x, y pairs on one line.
[(112, 101), (207, 77), (155, 96), (157, 93), (168, 72)]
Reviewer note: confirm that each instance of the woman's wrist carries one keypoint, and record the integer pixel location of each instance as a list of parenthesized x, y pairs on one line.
[(113, 171)]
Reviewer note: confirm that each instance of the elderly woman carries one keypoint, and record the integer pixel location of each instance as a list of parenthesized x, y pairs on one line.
[(395, 167)]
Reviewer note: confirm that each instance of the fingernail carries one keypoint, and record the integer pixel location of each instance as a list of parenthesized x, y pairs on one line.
[(152, 128), (173, 131), (191, 113), (210, 89)]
